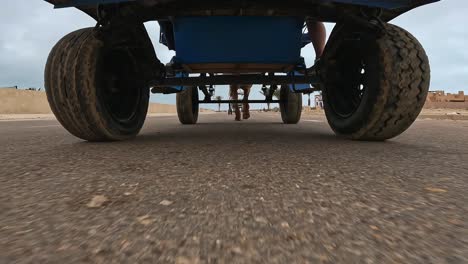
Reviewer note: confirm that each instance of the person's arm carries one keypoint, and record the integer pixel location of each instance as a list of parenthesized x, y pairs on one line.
[(318, 35)]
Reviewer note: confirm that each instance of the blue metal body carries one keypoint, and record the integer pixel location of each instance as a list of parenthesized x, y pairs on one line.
[(242, 39), (238, 39), (388, 4), (233, 40)]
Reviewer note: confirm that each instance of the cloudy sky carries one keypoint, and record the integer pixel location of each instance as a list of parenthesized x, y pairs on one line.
[(30, 28)]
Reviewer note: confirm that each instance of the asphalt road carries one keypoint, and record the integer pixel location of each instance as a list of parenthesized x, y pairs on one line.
[(255, 191)]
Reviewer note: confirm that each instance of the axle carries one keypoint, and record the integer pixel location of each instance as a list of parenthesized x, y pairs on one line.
[(239, 101), (243, 79)]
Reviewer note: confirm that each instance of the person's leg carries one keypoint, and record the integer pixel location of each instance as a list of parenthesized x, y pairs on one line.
[(246, 107), (318, 35), (234, 96)]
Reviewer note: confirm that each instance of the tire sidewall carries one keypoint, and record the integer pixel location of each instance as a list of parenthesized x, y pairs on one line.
[(373, 98), (188, 105), (195, 104), (290, 105), (119, 129), (73, 82)]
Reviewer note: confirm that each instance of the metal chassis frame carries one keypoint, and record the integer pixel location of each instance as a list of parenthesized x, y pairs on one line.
[(241, 79), (370, 22), (143, 11), (115, 16)]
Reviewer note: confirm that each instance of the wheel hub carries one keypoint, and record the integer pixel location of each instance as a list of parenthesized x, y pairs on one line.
[(121, 95)]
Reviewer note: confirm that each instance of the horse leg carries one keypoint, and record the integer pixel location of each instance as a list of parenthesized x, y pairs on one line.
[(234, 96), (246, 107), (229, 109)]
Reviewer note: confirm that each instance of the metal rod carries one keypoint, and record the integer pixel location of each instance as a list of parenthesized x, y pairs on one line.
[(205, 91), (242, 79), (239, 102)]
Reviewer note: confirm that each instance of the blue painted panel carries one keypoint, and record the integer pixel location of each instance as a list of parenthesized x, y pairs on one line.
[(90, 2), (389, 4), (180, 75), (298, 86), (238, 39)]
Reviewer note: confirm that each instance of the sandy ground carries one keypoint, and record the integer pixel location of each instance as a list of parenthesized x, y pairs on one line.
[(23, 104), (453, 114), (13, 101), (32, 105), (32, 117), (441, 114), (7, 117)]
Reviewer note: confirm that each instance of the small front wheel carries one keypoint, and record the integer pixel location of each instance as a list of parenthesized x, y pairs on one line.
[(290, 105), (188, 106)]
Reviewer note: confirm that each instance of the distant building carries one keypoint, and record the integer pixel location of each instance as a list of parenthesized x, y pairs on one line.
[(318, 101), (440, 99), (9, 87), (441, 96)]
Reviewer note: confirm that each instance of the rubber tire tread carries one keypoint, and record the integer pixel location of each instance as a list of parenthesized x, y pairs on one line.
[(404, 84), (290, 105), (70, 82), (185, 101)]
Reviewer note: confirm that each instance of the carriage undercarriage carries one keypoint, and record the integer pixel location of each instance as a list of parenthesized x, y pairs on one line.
[(269, 83), (374, 76)]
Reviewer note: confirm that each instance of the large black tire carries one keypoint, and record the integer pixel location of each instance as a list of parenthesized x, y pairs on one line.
[(290, 105), (375, 85), (96, 91), (188, 106)]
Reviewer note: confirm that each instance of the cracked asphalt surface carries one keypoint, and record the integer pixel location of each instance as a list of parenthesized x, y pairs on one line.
[(255, 191)]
